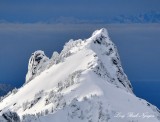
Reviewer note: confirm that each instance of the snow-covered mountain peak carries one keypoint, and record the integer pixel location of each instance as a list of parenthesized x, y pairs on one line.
[(101, 32), (105, 59), (108, 60), (85, 82)]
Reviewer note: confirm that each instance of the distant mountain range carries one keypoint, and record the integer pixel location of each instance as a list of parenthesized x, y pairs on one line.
[(5, 88), (148, 17)]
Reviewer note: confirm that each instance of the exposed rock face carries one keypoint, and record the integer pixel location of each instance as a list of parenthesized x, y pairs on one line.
[(9, 117), (37, 63)]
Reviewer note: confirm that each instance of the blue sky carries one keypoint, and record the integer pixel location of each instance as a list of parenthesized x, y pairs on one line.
[(51, 10), (27, 26)]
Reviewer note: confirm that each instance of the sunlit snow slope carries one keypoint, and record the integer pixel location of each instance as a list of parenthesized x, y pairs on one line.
[(84, 83)]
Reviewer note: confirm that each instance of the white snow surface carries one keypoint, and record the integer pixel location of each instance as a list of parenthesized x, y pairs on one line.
[(84, 83)]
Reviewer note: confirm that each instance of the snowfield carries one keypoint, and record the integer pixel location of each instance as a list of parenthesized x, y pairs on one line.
[(84, 83)]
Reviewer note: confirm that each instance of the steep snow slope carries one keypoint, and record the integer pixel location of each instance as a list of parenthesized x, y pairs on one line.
[(85, 82)]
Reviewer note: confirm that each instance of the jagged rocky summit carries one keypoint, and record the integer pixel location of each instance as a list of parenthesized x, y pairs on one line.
[(83, 83), (37, 64)]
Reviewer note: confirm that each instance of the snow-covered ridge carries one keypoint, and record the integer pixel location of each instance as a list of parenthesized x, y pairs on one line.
[(84, 83), (100, 44)]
